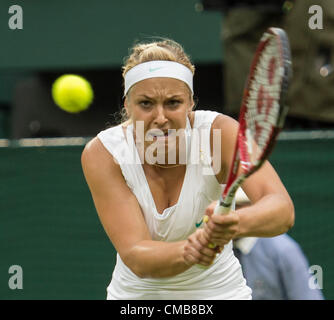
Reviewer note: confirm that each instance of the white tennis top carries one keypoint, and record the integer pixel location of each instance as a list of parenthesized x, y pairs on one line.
[(223, 279)]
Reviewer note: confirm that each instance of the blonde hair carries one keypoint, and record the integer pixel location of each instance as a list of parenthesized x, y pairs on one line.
[(164, 49)]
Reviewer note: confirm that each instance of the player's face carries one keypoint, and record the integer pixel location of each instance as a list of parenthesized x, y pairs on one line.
[(161, 105)]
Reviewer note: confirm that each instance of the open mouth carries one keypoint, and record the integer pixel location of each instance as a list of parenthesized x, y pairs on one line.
[(160, 134)]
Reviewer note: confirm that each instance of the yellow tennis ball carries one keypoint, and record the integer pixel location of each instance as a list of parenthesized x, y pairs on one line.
[(72, 93)]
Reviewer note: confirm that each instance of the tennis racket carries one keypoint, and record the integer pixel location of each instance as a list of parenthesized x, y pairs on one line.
[(262, 113)]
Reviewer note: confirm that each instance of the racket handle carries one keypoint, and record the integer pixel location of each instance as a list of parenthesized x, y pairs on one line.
[(219, 209)]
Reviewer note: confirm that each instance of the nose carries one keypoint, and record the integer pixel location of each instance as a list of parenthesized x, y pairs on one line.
[(160, 117)]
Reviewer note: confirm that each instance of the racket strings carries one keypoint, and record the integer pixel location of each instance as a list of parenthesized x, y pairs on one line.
[(262, 111), (263, 100)]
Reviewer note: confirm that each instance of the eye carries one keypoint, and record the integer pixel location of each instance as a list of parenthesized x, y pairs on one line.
[(173, 103), (145, 104)]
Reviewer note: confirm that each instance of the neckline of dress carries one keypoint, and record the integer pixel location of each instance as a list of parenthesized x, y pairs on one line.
[(131, 144)]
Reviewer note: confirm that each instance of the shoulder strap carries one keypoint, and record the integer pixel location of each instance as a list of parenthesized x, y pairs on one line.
[(203, 122)]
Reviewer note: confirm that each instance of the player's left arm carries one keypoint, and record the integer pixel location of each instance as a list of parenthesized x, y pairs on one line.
[(271, 211)]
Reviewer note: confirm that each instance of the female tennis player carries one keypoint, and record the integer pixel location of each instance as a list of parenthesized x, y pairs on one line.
[(154, 176)]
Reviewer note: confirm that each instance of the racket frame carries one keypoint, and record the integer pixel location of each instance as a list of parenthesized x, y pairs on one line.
[(234, 182)]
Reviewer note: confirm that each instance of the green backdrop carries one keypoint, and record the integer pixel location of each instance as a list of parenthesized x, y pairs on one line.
[(83, 33), (48, 223)]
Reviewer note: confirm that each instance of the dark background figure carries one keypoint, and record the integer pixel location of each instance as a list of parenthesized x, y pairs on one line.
[(311, 94)]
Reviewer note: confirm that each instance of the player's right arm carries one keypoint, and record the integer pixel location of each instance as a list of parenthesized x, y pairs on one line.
[(123, 222)]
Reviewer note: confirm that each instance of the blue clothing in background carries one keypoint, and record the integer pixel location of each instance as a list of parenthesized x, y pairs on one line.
[(275, 269)]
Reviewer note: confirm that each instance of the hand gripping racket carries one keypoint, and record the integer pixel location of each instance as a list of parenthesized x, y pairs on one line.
[(262, 113)]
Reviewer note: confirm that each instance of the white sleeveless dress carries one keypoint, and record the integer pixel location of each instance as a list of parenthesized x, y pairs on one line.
[(224, 278)]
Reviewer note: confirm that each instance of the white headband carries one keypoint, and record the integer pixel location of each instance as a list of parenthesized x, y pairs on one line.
[(155, 69)]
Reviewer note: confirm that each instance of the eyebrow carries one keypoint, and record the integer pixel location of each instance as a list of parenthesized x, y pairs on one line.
[(168, 97)]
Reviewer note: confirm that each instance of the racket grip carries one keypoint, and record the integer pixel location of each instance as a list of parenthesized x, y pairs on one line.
[(219, 209)]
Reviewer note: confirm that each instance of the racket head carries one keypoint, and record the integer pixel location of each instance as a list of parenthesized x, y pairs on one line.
[(263, 109)]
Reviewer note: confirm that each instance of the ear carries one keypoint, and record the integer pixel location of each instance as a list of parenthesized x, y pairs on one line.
[(126, 106), (192, 104)]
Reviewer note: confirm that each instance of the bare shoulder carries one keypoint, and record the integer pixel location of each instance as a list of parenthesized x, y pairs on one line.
[(95, 155), (98, 164), (226, 123), (94, 148), (227, 129)]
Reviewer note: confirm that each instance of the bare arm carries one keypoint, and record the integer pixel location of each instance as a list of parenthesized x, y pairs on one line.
[(123, 221), (271, 212)]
